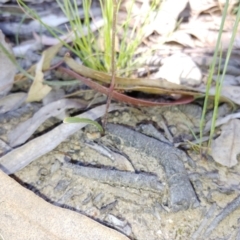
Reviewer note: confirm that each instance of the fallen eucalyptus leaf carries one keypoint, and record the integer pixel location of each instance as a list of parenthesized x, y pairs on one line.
[(38, 90), (165, 21), (225, 148), (48, 54), (185, 70)]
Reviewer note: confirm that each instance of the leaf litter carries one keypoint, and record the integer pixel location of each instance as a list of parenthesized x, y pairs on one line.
[(225, 148), (199, 32), (38, 90)]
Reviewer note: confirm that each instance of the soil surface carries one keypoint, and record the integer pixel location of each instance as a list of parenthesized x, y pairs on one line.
[(138, 212), (138, 178)]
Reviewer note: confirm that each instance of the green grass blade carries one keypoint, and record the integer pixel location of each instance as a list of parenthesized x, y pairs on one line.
[(211, 71), (220, 82), (83, 120)]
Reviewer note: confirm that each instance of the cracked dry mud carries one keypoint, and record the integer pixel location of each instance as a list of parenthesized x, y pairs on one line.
[(137, 211)]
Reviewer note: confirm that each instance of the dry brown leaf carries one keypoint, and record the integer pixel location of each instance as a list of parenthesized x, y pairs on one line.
[(225, 148), (205, 29), (231, 5), (156, 86), (200, 6), (7, 68), (21, 77), (166, 19), (182, 38), (38, 90), (49, 54), (185, 70)]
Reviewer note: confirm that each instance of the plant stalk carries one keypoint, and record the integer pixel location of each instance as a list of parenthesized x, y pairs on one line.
[(113, 65)]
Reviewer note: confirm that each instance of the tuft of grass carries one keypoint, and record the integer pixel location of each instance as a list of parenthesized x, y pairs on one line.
[(87, 44)]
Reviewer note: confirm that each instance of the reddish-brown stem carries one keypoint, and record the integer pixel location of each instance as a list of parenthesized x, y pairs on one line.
[(122, 97)]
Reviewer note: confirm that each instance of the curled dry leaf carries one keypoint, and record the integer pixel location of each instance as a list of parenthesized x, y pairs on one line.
[(38, 90), (7, 67), (48, 54), (225, 148)]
